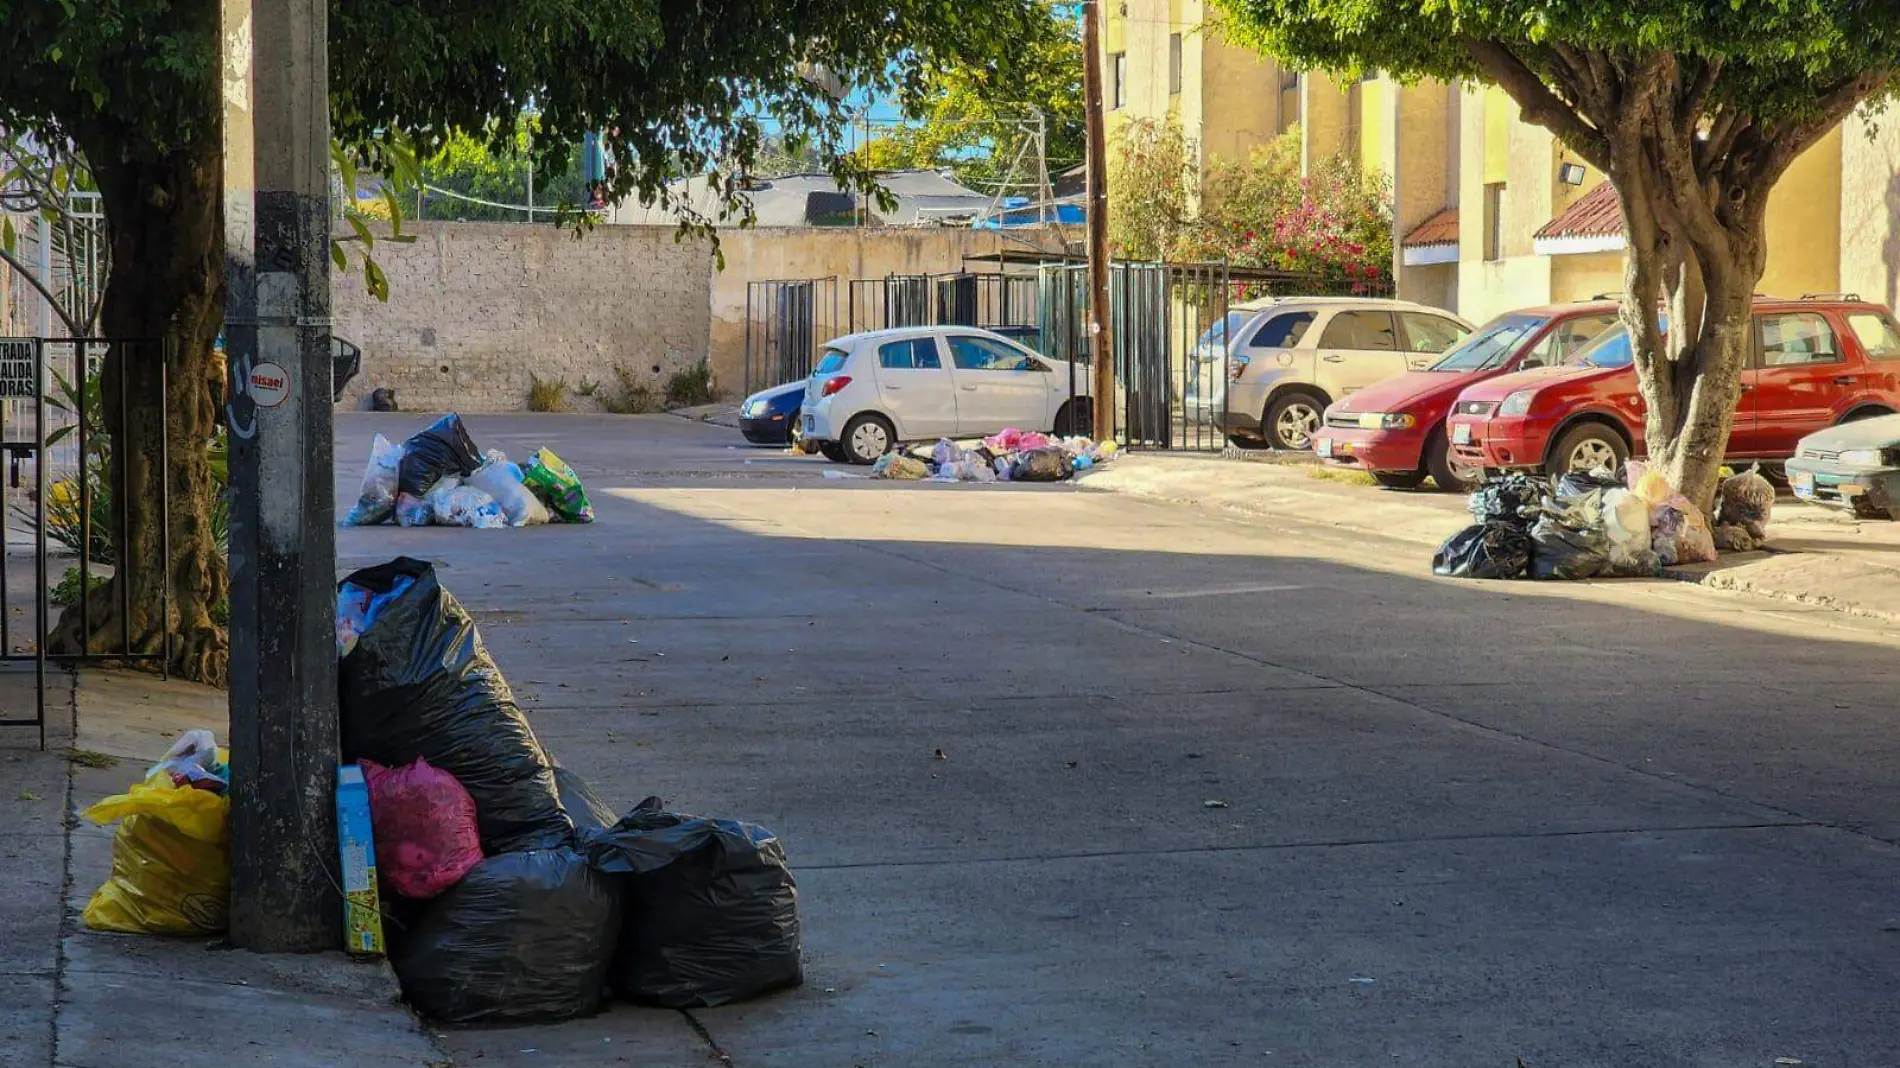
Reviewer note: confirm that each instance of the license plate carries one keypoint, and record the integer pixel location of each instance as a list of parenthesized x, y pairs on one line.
[(1323, 448), (1802, 482), (1461, 434)]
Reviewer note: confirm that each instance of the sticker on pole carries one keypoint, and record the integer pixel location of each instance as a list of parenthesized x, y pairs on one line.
[(270, 384)]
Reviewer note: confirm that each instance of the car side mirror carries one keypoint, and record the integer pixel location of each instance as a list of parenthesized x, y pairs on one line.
[(1530, 363)]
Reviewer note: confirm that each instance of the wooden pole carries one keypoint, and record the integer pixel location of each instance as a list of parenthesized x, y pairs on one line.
[(1101, 344)]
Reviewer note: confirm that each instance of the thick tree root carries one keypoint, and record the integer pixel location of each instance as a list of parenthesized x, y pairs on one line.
[(199, 651)]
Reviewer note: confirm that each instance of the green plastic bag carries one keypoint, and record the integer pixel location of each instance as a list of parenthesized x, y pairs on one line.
[(558, 487)]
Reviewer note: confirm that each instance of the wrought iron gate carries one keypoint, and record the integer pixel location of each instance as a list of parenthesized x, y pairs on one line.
[(786, 323)]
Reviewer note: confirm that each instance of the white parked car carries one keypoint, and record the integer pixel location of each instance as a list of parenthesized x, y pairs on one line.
[(869, 392)]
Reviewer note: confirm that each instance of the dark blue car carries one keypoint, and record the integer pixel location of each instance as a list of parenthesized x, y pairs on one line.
[(770, 417)]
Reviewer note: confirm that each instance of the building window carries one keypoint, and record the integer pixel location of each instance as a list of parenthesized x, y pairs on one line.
[(1494, 221), (1118, 81), (1174, 64)]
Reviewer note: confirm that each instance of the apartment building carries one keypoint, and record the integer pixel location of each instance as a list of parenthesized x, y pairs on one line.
[(1489, 212)]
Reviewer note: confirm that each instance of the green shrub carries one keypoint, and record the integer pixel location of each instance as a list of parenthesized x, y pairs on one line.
[(690, 387), (546, 395), (68, 590)]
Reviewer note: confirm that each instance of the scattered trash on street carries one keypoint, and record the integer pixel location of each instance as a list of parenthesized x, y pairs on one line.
[(1011, 456), (1597, 524), (439, 477)]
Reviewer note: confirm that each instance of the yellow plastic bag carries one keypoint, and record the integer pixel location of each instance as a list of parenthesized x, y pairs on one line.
[(171, 861)]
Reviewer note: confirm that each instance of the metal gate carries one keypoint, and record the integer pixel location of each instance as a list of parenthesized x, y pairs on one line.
[(988, 300), (1166, 374), (52, 434), (786, 322)]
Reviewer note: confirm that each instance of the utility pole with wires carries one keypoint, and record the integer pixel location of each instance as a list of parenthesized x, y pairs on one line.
[(1101, 334)]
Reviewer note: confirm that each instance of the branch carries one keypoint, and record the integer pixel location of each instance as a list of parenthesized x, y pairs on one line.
[(72, 328), (1689, 110), (1833, 105), (1540, 105)]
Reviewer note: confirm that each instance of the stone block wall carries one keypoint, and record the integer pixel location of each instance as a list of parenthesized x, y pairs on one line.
[(475, 308)]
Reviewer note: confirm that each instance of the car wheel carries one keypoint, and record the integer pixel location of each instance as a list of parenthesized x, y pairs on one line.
[(1586, 447), (834, 452), (1399, 479), (868, 437), (1449, 475), (1075, 418), (1292, 420)]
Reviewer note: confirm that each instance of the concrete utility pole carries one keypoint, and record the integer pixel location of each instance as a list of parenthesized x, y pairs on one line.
[(284, 895), (1101, 311)]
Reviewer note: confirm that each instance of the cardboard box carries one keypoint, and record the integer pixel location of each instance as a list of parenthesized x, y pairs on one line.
[(362, 912)]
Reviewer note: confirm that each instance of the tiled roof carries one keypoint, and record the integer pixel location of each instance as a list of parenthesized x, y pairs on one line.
[(1440, 229), (1598, 213)]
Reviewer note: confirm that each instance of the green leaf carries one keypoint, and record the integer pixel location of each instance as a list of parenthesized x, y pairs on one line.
[(9, 240), (338, 257), (362, 229), (375, 281)]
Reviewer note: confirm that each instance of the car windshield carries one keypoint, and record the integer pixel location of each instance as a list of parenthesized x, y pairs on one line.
[(832, 363), (1215, 335), (1610, 349), (1492, 345)]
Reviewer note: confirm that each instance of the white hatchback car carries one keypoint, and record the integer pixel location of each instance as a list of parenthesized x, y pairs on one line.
[(868, 392)]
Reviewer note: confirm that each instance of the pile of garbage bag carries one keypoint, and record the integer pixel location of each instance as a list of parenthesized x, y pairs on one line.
[(1598, 524), (440, 477), (533, 900), (1011, 456)]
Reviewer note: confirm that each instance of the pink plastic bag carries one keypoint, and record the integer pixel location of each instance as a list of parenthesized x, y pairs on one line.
[(424, 822)]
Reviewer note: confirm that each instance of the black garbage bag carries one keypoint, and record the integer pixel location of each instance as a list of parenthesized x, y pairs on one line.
[(1043, 465), (1570, 486), (585, 808), (383, 400), (419, 683), (524, 937), (712, 909), (1511, 498), (443, 449), (1494, 550), (1571, 541)]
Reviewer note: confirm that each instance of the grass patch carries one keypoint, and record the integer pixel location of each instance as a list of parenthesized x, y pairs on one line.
[(1342, 474), (631, 396), (86, 758), (690, 387), (546, 394), (67, 591), (588, 388)]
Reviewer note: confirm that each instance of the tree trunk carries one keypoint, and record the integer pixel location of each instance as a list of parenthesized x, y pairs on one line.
[(1691, 379), (165, 299)]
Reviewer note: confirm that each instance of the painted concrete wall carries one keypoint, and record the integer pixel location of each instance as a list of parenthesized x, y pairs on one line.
[(1805, 222), (1870, 210), (474, 308), (1585, 277), (1423, 151), (1494, 147)]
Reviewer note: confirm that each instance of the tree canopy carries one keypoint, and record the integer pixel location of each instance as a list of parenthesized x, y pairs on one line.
[(1694, 108), (972, 118)]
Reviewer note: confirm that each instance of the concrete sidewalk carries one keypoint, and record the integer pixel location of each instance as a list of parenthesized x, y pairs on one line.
[(1815, 555), (74, 998)]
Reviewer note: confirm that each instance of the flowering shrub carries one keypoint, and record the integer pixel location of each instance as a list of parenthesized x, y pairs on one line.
[(1335, 221)]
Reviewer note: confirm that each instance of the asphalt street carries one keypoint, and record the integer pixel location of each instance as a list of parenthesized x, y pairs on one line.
[(1073, 778)]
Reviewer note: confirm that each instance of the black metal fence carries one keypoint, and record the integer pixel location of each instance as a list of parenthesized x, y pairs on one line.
[(786, 322), (58, 491), (987, 300)]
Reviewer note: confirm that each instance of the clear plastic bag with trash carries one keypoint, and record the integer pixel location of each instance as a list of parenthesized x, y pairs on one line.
[(502, 481), (454, 503), (376, 501), (1745, 500)]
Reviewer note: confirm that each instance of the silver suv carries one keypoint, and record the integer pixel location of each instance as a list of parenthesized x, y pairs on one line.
[(1290, 357)]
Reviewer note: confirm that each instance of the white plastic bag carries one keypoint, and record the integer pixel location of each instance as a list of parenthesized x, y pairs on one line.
[(497, 478), (376, 503), (1626, 517), (454, 503), (193, 758)]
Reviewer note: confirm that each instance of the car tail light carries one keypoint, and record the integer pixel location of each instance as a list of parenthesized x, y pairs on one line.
[(1237, 366), (833, 385)]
